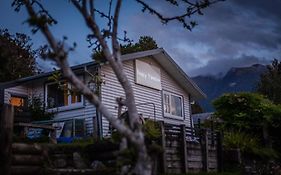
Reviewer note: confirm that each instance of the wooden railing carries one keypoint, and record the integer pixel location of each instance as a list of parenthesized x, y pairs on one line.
[(25, 127)]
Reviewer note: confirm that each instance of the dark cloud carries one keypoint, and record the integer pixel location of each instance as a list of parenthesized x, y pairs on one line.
[(262, 8), (227, 34), (230, 33), (220, 67)]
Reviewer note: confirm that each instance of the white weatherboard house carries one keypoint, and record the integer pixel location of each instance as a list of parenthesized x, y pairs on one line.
[(162, 91)]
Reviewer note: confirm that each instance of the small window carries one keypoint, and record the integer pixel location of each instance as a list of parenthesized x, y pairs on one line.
[(75, 97), (18, 101), (63, 95), (173, 105)]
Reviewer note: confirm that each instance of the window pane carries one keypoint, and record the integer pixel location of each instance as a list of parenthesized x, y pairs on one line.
[(17, 101), (56, 96), (67, 129), (65, 95), (75, 96), (166, 103), (79, 127), (176, 105)]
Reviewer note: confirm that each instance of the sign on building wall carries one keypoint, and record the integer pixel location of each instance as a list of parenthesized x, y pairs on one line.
[(148, 75)]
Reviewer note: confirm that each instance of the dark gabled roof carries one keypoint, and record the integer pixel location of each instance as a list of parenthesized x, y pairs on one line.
[(159, 55), (42, 75)]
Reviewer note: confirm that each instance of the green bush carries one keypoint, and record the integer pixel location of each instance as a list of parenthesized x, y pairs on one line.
[(37, 110), (152, 130), (238, 140), (248, 144)]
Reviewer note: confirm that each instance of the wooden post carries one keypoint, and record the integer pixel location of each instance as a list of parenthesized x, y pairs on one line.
[(199, 123), (95, 126), (205, 151), (2, 96), (53, 136), (219, 151), (163, 143), (184, 149), (6, 137), (212, 133)]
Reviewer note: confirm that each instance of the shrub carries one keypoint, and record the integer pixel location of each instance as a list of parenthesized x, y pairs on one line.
[(238, 140), (37, 110)]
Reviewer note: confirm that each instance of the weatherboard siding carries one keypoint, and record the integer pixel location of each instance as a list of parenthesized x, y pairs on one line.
[(17, 90), (112, 89), (87, 111), (169, 85), (37, 89)]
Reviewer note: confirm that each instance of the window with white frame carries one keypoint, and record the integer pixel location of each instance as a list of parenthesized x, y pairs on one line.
[(61, 95), (173, 105)]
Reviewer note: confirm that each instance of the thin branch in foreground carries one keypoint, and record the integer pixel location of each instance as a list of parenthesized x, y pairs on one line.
[(191, 9)]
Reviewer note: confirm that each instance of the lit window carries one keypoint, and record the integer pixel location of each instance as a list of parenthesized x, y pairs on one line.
[(59, 96), (18, 101), (75, 97), (173, 105)]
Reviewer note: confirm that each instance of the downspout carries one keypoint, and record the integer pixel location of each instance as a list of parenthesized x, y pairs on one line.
[(190, 112)]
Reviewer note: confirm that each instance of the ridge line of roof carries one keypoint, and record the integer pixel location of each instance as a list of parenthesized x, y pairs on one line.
[(184, 74)]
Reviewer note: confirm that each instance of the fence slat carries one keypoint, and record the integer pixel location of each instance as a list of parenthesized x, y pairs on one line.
[(219, 151), (205, 152), (163, 143), (184, 149)]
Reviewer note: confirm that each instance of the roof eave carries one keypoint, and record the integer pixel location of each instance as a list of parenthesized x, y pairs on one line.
[(43, 75), (184, 80)]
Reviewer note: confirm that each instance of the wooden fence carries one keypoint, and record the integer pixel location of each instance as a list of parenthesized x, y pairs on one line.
[(190, 150), (8, 158)]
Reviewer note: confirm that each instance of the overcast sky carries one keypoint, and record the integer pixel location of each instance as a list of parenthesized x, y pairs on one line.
[(233, 33)]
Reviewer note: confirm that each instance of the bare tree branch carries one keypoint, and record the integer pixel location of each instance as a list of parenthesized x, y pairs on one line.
[(143, 165), (92, 7), (61, 60), (191, 9), (114, 60)]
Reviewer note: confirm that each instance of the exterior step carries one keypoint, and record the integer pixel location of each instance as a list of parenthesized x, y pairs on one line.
[(23, 148), (69, 171), (21, 159), (25, 170)]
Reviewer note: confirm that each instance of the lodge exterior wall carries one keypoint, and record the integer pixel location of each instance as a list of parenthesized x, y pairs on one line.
[(17, 90), (37, 89), (111, 89)]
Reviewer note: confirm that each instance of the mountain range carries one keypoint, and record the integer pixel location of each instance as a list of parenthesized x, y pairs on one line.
[(237, 79)]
